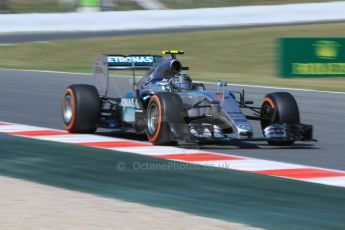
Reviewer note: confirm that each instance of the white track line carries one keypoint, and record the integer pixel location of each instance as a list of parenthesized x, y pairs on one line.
[(252, 165)]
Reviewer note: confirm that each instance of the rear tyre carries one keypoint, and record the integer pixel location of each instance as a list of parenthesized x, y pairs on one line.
[(164, 113), (279, 108), (81, 108)]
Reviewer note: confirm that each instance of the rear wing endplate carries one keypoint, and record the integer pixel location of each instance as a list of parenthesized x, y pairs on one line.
[(107, 62)]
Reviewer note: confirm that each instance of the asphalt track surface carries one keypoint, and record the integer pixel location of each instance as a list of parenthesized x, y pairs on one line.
[(34, 98)]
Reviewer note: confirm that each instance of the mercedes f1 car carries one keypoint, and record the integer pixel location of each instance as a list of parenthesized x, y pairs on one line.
[(170, 108)]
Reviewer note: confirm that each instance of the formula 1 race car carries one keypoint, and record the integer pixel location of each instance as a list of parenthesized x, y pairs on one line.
[(170, 108)]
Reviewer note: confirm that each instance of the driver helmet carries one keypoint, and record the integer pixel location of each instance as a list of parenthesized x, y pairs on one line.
[(182, 81)]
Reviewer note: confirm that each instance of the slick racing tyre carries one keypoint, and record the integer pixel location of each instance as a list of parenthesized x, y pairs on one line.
[(81, 109), (279, 108), (163, 114)]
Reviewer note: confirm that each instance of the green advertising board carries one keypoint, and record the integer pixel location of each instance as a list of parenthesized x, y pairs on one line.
[(312, 57)]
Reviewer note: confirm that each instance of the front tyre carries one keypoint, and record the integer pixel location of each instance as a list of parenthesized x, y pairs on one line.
[(279, 108), (164, 114), (81, 108)]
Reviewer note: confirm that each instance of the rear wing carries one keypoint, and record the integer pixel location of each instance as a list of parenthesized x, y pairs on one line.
[(107, 62), (131, 62)]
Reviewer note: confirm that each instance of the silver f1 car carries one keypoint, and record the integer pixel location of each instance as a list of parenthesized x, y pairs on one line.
[(170, 108)]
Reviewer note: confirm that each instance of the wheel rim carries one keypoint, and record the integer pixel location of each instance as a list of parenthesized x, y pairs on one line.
[(67, 109), (152, 119), (267, 113)]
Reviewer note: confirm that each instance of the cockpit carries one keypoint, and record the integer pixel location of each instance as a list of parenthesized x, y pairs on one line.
[(163, 69)]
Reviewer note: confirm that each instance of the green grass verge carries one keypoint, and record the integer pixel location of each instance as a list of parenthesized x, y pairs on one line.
[(127, 5), (246, 56), (181, 4), (256, 200), (23, 6), (46, 6)]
